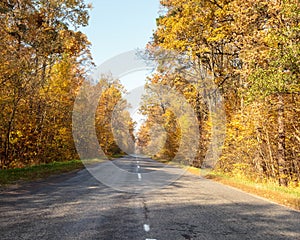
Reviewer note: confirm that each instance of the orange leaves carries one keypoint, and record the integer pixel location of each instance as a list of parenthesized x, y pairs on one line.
[(39, 76), (251, 50)]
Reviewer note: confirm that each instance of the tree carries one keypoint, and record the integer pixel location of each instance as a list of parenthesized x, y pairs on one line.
[(36, 38), (271, 56), (250, 50), (114, 125)]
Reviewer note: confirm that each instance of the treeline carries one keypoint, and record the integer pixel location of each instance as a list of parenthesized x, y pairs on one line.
[(102, 126), (113, 123), (44, 59), (250, 50)]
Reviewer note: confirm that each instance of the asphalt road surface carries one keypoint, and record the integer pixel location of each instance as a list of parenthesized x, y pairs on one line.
[(77, 206)]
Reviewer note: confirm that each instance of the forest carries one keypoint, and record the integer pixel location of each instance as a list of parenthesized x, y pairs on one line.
[(248, 50)]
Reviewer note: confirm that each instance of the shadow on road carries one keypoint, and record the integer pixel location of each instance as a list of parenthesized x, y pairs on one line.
[(76, 206)]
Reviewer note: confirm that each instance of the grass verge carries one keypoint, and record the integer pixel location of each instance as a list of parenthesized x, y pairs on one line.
[(12, 176), (287, 196), (116, 156), (32, 173)]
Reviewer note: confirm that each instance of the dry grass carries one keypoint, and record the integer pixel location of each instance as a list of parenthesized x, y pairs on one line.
[(287, 196)]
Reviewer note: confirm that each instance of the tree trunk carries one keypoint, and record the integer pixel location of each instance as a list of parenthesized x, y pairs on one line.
[(6, 159), (283, 174)]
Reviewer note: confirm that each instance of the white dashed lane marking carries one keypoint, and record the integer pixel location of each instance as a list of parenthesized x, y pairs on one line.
[(146, 227)]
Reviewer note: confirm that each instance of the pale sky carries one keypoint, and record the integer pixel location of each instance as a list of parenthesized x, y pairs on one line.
[(117, 26)]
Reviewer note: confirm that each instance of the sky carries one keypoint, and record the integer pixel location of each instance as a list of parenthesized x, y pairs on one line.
[(117, 26)]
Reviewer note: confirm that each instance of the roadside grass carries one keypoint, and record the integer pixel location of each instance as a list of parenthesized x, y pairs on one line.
[(11, 176), (93, 161), (287, 196), (119, 155), (31, 173)]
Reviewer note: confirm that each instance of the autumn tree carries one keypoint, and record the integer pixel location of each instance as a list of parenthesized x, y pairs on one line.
[(250, 51), (274, 66), (200, 57), (114, 125), (39, 47)]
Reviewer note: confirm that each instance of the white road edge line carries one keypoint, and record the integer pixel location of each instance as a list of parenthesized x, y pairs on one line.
[(150, 239)]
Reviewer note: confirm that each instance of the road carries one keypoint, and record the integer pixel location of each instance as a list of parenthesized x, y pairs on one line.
[(77, 206)]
